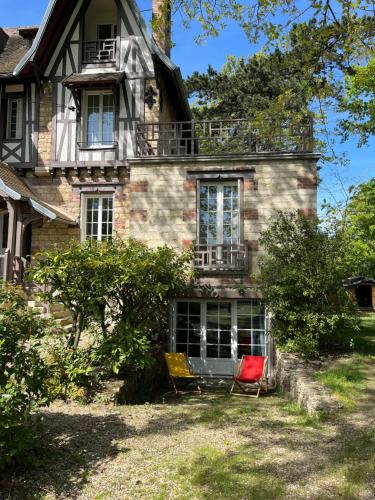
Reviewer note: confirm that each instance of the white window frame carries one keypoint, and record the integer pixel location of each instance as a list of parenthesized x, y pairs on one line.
[(99, 145), (100, 196), (219, 213), (234, 328), (19, 103)]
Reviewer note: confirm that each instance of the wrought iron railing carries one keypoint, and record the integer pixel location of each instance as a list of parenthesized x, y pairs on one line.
[(98, 51), (221, 257), (223, 137)]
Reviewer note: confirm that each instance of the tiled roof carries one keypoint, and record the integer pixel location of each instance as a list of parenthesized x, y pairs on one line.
[(13, 182), (14, 43)]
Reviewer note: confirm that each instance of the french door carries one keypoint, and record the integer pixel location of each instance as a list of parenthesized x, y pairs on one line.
[(219, 213), (215, 334)]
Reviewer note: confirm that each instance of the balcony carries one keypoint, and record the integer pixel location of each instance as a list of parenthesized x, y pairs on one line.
[(223, 137), (221, 257), (99, 51)]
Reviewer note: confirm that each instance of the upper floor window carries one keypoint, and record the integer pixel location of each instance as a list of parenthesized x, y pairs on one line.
[(219, 213), (106, 31), (97, 217), (99, 119), (14, 119)]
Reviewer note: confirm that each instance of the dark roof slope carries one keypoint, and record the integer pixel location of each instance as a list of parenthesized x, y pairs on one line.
[(14, 43), (16, 188)]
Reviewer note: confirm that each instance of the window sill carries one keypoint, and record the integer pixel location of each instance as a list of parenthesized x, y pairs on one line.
[(96, 147)]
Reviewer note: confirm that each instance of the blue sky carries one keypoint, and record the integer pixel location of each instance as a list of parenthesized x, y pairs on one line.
[(190, 57)]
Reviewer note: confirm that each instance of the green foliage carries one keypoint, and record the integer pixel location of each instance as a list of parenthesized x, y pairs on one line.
[(121, 288), (301, 277), (359, 102), (301, 67), (358, 224), (23, 375), (73, 373)]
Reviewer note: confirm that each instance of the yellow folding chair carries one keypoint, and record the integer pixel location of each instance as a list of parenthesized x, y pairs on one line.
[(180, 371)]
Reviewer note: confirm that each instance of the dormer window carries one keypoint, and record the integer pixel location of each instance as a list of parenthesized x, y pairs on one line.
[(98, 119)]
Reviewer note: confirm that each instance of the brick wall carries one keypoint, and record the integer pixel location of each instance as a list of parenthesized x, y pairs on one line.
[(45, 127)]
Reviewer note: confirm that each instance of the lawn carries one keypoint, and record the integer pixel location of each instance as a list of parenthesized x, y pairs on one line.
[(347, 376), (207, 447)]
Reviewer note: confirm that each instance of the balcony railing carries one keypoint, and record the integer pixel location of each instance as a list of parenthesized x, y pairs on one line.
[(98, 51), (208, 138), (221, 257)]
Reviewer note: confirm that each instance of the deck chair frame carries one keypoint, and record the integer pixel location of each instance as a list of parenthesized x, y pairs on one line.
[(185, 381), (259, 383)]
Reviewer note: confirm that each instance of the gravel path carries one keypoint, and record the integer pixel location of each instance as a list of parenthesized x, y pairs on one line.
[(199, 447)]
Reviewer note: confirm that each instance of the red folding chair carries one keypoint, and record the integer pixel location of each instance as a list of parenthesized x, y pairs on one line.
[(252, 370)]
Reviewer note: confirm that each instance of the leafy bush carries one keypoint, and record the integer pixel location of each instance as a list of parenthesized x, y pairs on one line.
[(23, 375), (73, 373), (301, 277), (121, 289)]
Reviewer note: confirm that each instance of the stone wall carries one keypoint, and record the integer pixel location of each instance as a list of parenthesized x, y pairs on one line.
[(295, 378), (164, 202), (156, 202)]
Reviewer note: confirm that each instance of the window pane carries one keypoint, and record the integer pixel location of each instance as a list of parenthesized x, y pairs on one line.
[(182, 321), (258, 322), (258, 350), (244, 338), (93, 116), (244, 307), (194, 350), (107, 119), (182, 307), (225, 351), (225, 337), (212, 351), (244, 323), (212, 337), (188, 327), (104, 31), (181, 336), (243, 350), (258, 338), (195, 308)]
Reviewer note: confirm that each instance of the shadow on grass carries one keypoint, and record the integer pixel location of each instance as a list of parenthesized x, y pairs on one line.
[(365, 343), (72, 448)]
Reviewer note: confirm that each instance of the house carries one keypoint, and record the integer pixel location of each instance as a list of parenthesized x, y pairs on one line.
[(364, 291), (97, 138)]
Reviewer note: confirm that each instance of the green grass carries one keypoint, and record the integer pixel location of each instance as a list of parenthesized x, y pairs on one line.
[(301, 416), (347, 377), (234, 474)]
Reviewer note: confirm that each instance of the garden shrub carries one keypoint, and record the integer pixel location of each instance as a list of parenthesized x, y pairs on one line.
[(73, 373), (23, 377), (301, 278), (120, 289)]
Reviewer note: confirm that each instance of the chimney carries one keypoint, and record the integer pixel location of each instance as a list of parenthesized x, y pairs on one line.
[(161, 24)]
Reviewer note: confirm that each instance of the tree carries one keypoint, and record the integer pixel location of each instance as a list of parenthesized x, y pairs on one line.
[(122, 286), (359, 103), (23, 376), (301, 278), (324, 60), (358, 225)]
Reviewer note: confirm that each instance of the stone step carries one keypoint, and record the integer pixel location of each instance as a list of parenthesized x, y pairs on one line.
[(64, 321), (57, 308), (63, 313), (35, 303)]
